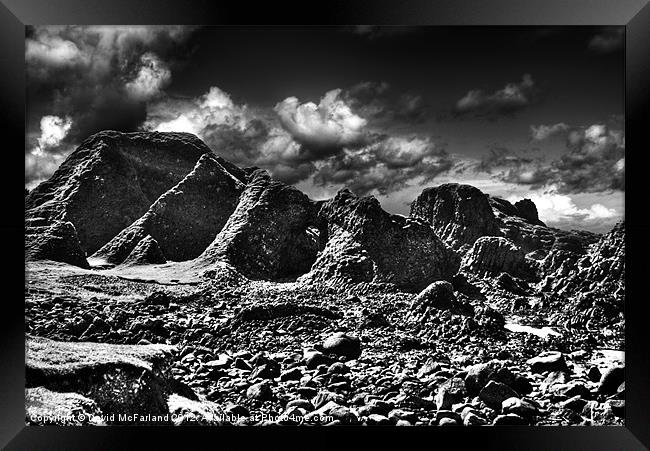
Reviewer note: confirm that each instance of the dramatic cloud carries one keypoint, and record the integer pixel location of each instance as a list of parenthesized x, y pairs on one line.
[(47, 151), (324, 129), (100, 75), (512, 98), (386, 166), (593, 161), (379, 102), (558, 210), (97, 77), (610, 40), (152, 75)]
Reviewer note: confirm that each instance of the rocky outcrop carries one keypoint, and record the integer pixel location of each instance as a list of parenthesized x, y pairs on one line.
[(367, 244), (46, 408), (185, 219), (490, 256), (112, 179), (527, 209), (53, 240), (517, 223), (146, 252), (460, 214), (595, 282), (271, 235), (118, 379)]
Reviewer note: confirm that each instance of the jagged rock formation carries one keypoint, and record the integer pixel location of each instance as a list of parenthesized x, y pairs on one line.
[(55, 240), (490, 256), (527, 209), (595, 282), (271, 234), (146, 252), (518, 224), (185, 219), (367, 244), (460, 214), (112, 179)]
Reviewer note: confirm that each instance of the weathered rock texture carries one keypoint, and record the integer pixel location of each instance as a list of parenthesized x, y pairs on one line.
[(127, 379), (271, 234), (460, 214), (185, 219), (518, 224), (367, 244), (595, 282), (490, 256), (146, 252), (53, 240), (112, 179)]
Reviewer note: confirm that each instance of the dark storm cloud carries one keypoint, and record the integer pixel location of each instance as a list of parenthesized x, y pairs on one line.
[(386, 166), (609, 40), (512, 98), (593, 161), (379, 101), (100, 76)]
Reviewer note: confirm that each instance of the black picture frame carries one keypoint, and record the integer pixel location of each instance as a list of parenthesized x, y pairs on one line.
[(633, 14)]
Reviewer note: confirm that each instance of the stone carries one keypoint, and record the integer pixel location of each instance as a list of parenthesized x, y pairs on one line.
[(510, 419), (313, 359), (438, 295), (548, 361), (479, 375), (261, 391), (593, 374), (449, 393), (342, 344), (459, 214), (494, 393), (611, 379), (521, 407)]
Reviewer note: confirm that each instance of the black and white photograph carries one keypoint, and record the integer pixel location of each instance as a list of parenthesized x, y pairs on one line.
[(324, 225)]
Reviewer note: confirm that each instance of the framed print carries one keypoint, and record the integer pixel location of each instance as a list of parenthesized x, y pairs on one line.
[(292, 222)]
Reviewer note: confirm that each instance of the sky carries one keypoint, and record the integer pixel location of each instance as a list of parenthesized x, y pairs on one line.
[(518, 112)]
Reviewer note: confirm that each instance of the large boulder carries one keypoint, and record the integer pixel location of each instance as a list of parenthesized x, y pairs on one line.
[(367, 244), (112, 179), (490, 256), (119, 379), (53, 240), (271, 235), (46, 408), (460, 214), (186, 218)]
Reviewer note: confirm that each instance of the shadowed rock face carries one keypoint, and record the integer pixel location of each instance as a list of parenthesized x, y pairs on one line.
[(270, 235), (56, 240), (112, 179), (185, 219), (146, 252), (367, 244), (460, 214)]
